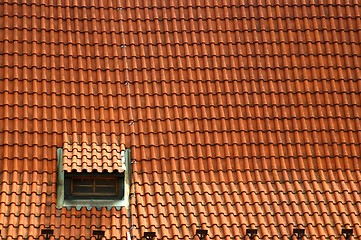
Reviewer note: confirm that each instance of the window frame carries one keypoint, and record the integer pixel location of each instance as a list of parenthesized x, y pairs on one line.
[(69, 186)]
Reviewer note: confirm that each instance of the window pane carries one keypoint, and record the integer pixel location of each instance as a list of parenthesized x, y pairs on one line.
[(106, 182), (82, 189), (83, 181), (106, 186), (95, 186), (82, 185), (106, 190)]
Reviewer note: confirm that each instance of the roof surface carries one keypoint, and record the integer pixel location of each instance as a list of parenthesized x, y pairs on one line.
[(92, 154), (238, 114)]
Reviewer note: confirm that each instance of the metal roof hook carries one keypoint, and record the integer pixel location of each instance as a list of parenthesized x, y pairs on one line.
[(251, 233), (347, 233), (99, 234), (299, 233), (47, 233), (149, 235), (201, 233)]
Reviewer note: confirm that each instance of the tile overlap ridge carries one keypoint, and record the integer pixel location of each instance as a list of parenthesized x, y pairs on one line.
[(93, 154)]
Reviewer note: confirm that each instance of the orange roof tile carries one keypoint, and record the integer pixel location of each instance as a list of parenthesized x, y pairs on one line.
[(238, 114), (88, 154)]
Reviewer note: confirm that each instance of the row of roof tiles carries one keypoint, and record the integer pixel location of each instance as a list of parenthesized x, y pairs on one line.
[(285, 88), (250, 116), (149, 4), (193, 63), (346, 24), (231, 43)]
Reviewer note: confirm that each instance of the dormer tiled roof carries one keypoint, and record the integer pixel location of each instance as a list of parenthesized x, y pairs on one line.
[(238, 114), (93, 154)]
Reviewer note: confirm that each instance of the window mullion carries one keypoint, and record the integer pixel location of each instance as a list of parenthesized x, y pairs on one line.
[(94, 185)]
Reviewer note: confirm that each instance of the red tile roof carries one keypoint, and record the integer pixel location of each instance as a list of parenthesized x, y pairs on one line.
[(238, 114), (93, 153)]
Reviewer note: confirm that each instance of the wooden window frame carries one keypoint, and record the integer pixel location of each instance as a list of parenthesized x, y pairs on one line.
[(117, 194), (94, 185)]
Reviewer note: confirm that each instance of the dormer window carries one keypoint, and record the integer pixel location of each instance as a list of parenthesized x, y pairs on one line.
[(93, 174)]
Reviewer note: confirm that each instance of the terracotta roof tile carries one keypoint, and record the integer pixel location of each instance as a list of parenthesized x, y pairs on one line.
[(238, 113), (100, 154)]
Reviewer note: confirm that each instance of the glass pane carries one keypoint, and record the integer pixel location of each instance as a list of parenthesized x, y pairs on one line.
[(106, 186), (82, 189), (105, 182), (83, 185), (83, 181), (106, 190), (94, 186)]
